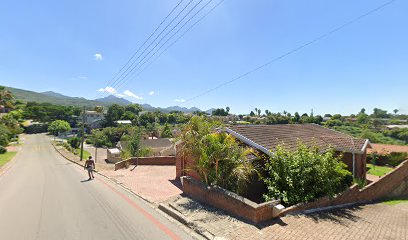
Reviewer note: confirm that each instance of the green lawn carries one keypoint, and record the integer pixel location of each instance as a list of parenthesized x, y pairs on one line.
[(85, 155), (4, 158), (395, 201), (378, 170)]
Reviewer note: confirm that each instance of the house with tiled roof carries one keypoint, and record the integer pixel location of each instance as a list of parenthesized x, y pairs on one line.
[(265, 138)]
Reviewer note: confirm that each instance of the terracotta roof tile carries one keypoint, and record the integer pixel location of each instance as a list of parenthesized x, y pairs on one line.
[(269, 136)]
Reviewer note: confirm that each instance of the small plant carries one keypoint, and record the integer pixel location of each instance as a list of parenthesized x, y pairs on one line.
[(3, 150), (74, 142), (360, 182)]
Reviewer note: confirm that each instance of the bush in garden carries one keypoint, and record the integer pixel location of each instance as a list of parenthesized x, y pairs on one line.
[(2, 150), (74, 142), (304, 174), (59, 126)]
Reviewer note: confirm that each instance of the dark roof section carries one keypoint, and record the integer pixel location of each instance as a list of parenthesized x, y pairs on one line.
[(267, 137)]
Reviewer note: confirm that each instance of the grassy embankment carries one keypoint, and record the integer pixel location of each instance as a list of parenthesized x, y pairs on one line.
[(6, 157)]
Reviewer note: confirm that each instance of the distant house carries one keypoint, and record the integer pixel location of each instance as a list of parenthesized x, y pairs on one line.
[(266, 138), (396, 126), (94, 119), (124, 122), (159, 146)]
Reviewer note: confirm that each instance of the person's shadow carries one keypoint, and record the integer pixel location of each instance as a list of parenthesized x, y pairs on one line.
[(87, 180)]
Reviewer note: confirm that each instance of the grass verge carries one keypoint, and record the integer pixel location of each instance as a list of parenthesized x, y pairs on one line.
[(5, 157), (378, 170), (395, 201), (86, 154)]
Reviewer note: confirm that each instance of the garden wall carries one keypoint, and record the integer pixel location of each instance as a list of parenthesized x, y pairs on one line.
[(393, 184), (230, 202), (158, 160), (185, 165)]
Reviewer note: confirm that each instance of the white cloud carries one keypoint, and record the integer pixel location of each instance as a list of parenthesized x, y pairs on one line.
[(151, 93), (110, 90), (83, 77), (179, 100), (132, 95), (98, 56)]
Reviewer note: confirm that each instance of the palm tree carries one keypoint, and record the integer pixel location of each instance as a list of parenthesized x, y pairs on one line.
[(218, 158)]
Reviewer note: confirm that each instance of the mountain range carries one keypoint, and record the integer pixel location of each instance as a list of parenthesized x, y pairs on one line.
[(60, 99)]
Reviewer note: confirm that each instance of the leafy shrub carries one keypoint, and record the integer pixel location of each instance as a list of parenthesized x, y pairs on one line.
[(360, 182), (74, 142), (392, 159), (2, 150), (59, 126), (166, 132), (378, 137), (4, 135), (305, 174), (145, 152), (36, 128)]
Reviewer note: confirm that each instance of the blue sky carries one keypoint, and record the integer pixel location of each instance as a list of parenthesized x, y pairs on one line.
[(76, 47)]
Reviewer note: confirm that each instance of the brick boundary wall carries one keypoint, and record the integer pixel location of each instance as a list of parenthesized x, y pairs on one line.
[(392, 184), (158, 160), (230, 202)]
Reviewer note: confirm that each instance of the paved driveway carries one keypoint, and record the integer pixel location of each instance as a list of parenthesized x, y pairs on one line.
[(154, 183)]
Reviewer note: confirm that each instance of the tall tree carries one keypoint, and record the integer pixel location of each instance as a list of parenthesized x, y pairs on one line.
[(6, 99)]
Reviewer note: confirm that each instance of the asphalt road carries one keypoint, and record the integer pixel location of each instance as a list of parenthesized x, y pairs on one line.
[(43, 196)]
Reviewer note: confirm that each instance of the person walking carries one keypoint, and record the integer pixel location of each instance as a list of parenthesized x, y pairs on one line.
[(90, 166)]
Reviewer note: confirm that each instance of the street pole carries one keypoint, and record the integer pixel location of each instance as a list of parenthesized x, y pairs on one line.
[(96, 149), (82, 135)]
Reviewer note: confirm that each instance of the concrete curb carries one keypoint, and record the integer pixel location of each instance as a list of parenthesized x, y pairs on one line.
[(179, 217)]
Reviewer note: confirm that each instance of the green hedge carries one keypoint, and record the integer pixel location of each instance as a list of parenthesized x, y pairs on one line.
[(392, 159)]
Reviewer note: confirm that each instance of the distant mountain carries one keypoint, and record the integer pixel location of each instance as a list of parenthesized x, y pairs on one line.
[(148, 107), (113, 100), (52, 97), (54, 94), (60, 99), (209, 111)]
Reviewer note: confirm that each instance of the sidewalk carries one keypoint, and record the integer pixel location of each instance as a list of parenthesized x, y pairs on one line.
[(371, 221), (75, 158), (102, 153)]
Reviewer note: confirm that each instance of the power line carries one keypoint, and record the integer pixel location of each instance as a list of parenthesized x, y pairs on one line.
[(174, 27), (144, 43), (325, 35), (170, 45), (182, 35), (127, 72), (113, 81)]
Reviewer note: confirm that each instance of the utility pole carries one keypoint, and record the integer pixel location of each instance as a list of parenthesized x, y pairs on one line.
[(96, 149), (82, 134)]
